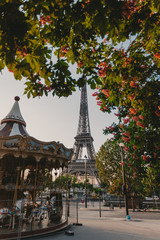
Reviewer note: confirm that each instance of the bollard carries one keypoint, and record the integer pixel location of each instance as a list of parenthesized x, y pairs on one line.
[(77, 224)]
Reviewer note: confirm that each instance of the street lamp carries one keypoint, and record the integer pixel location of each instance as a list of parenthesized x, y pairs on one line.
[(124, 181), (85, 157)]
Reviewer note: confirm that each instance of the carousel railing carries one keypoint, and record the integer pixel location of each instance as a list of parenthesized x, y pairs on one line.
[(26, 216)]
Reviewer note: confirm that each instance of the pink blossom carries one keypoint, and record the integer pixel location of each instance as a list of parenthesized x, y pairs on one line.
[(157, 113), (10, 70), (80, 64), (136, 136), (135, 118), (142, 125), (133, 84), (126, 149), (126, 134), (154, 155), (131, 97), (95, 94), (144, 157), (126, 139), (157, 147), (135, 175), (130, 165), (133, 111), (122, 163), (106, 92), (157, 55), (143, 66), (141, 117), (126, 120), (99, 103)]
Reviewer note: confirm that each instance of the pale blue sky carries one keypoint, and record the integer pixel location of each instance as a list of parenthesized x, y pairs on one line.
[(52, 118)]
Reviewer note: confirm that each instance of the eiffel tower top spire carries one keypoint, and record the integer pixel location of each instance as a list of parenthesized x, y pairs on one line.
[(83, 138), (83, 126)]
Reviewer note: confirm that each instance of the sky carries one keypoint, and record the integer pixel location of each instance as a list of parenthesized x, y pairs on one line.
[(52, 118)]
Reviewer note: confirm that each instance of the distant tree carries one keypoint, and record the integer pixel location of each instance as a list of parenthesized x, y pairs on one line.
[(151, 182), (65, 181), (109, 165), (108, 161), (98, 191)]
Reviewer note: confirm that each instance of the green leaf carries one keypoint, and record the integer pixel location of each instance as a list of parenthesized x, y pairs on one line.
[(18, 74), (2, 65), (47, 82)]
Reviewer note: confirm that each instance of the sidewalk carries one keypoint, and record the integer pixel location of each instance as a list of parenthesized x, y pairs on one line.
[(112, 225)]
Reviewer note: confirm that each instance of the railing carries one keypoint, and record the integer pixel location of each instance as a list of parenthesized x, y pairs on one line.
[(144, 204)]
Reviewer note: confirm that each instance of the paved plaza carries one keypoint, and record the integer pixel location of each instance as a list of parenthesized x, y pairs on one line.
[(112, 225)]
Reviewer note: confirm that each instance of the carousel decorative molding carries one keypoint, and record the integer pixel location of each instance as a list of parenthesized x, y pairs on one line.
[(25, 147)]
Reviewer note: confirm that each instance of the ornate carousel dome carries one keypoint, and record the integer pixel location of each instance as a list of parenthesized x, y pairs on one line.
[(13, 123), (24, 163)]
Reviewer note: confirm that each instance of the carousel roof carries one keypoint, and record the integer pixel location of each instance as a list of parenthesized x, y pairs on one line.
[(16, 143), (13, 123)]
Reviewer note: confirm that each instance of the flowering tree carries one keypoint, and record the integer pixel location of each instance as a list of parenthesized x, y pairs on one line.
[(130, 84)]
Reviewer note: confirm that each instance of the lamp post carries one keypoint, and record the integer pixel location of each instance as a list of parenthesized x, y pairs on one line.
[(85, 157), (124, 181)]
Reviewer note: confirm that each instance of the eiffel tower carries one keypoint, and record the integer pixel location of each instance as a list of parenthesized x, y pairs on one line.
[(80, 164)]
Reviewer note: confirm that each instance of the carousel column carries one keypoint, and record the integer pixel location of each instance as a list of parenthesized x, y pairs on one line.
[(1, 175), (1, 169), (56, 185), (51, 180), (62, 183), (55, 180), (15, 195), (35, 184), (59, 189), (34, 194), (16, 187), (22, 175), (50, 193)]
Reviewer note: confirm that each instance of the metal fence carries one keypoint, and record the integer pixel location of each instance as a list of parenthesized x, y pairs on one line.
[(78, 205), (143, 204)]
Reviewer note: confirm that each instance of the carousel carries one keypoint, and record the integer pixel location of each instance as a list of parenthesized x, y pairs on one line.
[(24, 162)]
